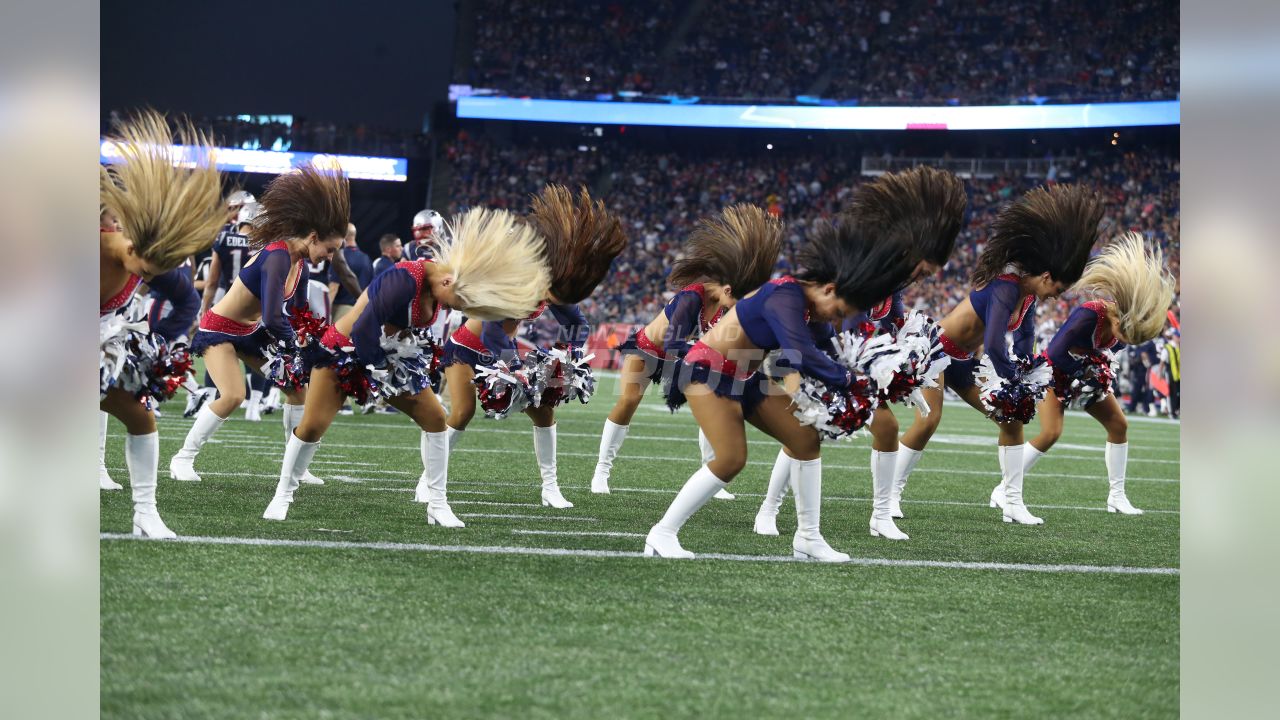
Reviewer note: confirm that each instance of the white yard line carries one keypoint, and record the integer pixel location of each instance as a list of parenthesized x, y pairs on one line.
[(529, 517), (569, 552), (567, 533)]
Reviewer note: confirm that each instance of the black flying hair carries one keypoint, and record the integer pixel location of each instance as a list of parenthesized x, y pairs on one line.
[(867, 264), (1050, 229), (928, 202)]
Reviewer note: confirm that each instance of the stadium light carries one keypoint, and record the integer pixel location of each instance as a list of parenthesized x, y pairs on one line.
[(680, 112), (357, 167)]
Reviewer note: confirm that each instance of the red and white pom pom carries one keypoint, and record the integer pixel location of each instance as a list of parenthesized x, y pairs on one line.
[(501, 390), (412, 358), (835, 414), (558, 376), (1089, 383), (920, 360), (1013, 399)]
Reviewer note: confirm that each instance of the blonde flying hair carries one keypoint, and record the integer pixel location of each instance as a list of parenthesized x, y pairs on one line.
[(498, 264), (739, 247), (1131, 274), (168, 211)]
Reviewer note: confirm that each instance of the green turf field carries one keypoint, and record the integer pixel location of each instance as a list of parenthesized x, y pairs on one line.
[(366, 612)]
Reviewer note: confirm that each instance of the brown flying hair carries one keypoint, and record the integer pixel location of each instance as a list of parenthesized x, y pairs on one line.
[(168, 211), (866, 264), (739, 248), (928, 202), (582, 240), (300, 202), (1050, 229)]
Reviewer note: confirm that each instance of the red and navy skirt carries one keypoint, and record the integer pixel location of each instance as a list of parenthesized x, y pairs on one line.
[(705, 366), (655, 358), (251, 340), (959, 374), (464, 347)]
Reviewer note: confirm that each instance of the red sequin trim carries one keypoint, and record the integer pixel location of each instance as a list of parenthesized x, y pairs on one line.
[(120, 299), (881, 311), (334, 340), (468, 339), (1016, 321), (706, 325), (644, 343), (214, 322), (950, 347), (701, 354), (542, 307), (1100, 308), (419, 273)]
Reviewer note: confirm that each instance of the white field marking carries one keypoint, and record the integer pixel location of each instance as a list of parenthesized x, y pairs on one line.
[(661, 491), (347, 463), (495, 504), (577, 534), (529, 517), (567, 552), (333, 531), (769, 443)]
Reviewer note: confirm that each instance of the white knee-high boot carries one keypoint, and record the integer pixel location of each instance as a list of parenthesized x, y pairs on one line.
[(767, 517), (142, 455), (544, 447), (610, 443), (907, 460), (297, 456), (1117, 455), (453, 435), (182, 466), (104, 478), (808, 543), (662, 539), (883, 467), (292, 416), (435, 461), (1014, 511)]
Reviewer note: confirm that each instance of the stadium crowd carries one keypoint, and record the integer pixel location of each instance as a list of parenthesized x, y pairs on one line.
[(935, 51)]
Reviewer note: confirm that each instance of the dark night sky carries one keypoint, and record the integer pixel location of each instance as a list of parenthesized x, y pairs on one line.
[(381, 62)]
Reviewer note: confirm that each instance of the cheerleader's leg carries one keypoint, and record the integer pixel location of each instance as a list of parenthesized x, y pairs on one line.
[(774, 416), (632, 383), (544, 449), (721, 419), (1107, 411), (914, 440), (319, 409), (425, 410), (223, 366), (884, 464), (142, 455)]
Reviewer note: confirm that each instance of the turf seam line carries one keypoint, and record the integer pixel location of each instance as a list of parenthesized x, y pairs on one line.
[(568, 552)]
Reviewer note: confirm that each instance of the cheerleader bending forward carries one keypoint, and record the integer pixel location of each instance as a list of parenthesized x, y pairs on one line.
[(726, 257), (303, 218), (843, 270), (1131, 295), (582, 239), (488, 266), (166, 214), (929, 204), (1038, 248)]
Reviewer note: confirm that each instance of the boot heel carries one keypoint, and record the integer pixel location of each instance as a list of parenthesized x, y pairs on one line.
[(431, 519), (874, 533), (992, 504), (1112, 509), (800, 555), (137, 531), (1006, 518), (649, 551)]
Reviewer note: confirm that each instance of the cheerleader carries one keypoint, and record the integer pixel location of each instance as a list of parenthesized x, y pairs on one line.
[(165, 214), (931, 204), (489, 267), (725, 258), (1037, 249), (1132, 292), (303, 218), (844, 269), (582, 239)]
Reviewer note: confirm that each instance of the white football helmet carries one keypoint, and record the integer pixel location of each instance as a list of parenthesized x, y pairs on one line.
[(241, 197), (429, 217), (248, 211)]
